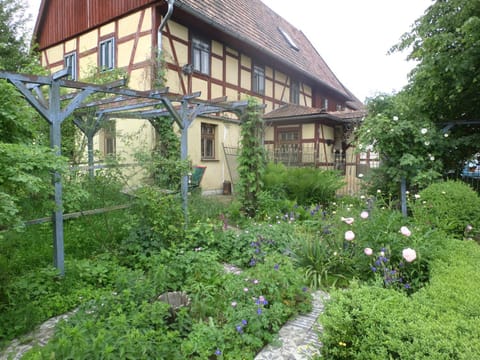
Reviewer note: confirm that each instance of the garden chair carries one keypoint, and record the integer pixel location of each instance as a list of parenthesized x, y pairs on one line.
[(196, 177)]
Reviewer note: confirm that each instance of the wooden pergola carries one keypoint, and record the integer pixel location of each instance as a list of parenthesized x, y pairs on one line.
[(44, 94)]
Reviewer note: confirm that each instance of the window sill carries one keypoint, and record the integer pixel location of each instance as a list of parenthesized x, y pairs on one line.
[(209, 160)]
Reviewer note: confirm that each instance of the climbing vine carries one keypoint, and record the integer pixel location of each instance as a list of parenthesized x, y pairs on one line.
[(251, 161)]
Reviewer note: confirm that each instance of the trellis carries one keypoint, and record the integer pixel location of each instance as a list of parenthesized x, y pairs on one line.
[(121, 103)]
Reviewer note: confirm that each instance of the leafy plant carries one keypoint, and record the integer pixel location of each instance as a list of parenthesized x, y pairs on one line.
[(430, 324), (450, 206), (251, 161)]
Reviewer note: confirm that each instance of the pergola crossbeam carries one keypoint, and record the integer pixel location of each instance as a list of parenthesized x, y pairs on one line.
[(122, 104)]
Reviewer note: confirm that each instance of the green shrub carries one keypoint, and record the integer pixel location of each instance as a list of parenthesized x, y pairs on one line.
[(449, 206), (439, 321), (156, 221), (304, 185)]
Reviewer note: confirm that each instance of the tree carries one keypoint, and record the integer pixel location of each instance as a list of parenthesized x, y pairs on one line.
[(15, 53), (25, 165), (409, 143), (445, 85)]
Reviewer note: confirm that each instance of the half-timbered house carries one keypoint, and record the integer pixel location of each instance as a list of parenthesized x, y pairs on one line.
[(221, 48)]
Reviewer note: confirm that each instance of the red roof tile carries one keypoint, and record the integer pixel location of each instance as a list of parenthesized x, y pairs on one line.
[(254, 23)]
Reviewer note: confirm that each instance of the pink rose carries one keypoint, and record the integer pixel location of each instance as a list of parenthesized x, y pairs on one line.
[(368, 251), (409, 255), (348, 221), (405, 231), (349, 235)]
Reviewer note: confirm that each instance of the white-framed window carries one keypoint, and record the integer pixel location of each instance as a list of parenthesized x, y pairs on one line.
[(106, 57), (201, 55), (208, 132), (70, 63), (294, 92), (258, 79)]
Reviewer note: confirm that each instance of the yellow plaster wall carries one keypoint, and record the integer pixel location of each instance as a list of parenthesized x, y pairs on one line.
[(217, 170), (232, 71), (217, 91), (217, 48), (268, 72), (245, 79), (108, 29), (144, 49), (326, 151), (308, 131), (246, 61), (70, 45), (139, 80), (182, 53), (269, 88), (147, 20), (231, 94), (86, 63), (173, 82), (178, 30), (55, 54), (269, 133), (128, 24), (124, 51), (217, 69), (200, 85), (88, 41)]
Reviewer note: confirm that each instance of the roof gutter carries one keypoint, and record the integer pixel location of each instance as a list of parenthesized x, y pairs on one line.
[(163, 23)]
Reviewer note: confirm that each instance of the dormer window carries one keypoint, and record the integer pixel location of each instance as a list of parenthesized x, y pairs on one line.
[(288, 39)]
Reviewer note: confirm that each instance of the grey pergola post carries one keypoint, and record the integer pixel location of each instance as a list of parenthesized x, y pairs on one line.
[(55, 115), (89, 127)]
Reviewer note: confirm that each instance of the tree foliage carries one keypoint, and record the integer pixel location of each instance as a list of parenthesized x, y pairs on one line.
[(410, 129), (445, 84), (26, 164), (409, 143), (15, 53)]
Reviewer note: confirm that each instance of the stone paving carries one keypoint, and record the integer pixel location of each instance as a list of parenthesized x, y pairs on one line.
[(40, 336), (298, 338)]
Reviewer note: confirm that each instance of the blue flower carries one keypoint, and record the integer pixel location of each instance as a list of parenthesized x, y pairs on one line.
[(259, 311), (252, 262), (239, 329), (244, 322), (373, 268), (276, 267), (218, 352)]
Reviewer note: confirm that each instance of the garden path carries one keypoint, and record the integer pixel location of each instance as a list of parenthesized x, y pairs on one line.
[(298, 338)]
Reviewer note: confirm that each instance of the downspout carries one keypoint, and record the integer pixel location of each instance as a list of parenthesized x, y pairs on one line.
[(163, 23)]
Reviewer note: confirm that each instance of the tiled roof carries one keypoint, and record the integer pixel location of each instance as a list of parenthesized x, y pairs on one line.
[(254, 23), (290, 111)]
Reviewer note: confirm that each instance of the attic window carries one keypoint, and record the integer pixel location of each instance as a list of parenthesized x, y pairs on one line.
[(288, 39)]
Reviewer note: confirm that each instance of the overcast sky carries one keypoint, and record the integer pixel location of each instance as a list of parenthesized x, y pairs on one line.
[(353, 37)]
